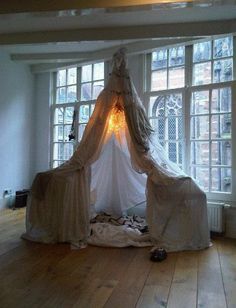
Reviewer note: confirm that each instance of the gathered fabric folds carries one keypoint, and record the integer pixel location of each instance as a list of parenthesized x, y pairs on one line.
[(120, 163)]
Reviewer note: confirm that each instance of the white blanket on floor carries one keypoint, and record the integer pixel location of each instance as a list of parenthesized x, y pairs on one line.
[(105, 234)]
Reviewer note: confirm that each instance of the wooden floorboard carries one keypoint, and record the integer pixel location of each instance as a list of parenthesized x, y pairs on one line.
[(157, 286), (183, 291), (40, 275), (210, 283), (227, 257)]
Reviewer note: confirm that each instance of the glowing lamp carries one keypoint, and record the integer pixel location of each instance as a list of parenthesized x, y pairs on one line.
[(116, 120)]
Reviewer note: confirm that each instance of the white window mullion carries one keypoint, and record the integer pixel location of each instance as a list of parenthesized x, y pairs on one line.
[(233, 136), (167, 69), (210, 141), (233, 139), (52, 112), (186, 131), (234, 57), (187, 96), (212, 61)]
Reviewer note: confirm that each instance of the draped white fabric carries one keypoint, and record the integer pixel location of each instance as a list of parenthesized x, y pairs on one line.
[(116, 185), (118, 166)]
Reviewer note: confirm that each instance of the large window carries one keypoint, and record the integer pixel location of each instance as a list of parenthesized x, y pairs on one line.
[(212, 61), (166, 82), (189, 94), (75, 90), (210, 115), (190, 105), (166, 116), (167, 68), (211, 138)]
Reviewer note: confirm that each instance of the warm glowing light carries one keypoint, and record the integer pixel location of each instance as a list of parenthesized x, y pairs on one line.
[(116, 120)]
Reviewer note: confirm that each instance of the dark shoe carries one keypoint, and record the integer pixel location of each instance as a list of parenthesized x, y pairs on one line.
[(158, 255)]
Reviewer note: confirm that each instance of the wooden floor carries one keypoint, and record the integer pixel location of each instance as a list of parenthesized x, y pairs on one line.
[(38, 275)]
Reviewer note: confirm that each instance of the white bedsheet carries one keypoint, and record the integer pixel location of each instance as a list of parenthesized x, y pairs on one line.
[(105, 234)]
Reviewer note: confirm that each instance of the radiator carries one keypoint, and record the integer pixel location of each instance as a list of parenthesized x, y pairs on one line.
[(216, 219)]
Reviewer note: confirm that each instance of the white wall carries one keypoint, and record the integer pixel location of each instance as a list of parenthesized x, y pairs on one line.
[(16, 98), (41, 153), (135, 65)]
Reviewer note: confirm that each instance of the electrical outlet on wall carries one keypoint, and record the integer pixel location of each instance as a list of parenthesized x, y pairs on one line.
[(7, 192), (8, 198)]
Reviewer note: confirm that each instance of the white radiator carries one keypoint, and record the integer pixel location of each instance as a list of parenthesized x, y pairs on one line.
[(216, 219)]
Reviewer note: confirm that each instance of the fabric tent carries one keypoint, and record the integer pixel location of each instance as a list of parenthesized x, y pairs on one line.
[(120, 162)]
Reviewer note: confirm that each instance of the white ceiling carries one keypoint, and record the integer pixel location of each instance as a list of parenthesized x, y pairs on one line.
[(48, 21), (64, 33), (62, 47)]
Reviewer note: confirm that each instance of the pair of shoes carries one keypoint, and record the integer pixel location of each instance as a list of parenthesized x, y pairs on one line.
[(158, 255)]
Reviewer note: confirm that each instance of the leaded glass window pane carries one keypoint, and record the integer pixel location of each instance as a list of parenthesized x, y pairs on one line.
[(71, 94), (200, 127), (221, 153), (84, 113), (166, 119), (223, 47), (176, 77), (68, 151), (98, 71), (86, 92), (223, 70), (159, 80), (92, 109), (157, 106), (66, 132), (174, 128), (200, 152), (58, 116), (61, 78), (81, 131), (174, 104), (172, 151), (202, 51), (221, 100), (58, 133), (72, 76), (68, 113), (201, 176), (202, 73), (61, 95), (159, 59), (97, 88), (86, 73), (221, 179), (221, 126), (58, 151), (200, 102), (176, 56)]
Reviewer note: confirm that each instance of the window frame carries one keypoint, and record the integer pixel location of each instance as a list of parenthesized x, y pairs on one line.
[(187, 91), (76, 105), (186, 95)]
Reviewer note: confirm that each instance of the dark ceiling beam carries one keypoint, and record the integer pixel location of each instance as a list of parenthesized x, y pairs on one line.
[(23, 6), (174, 30)]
